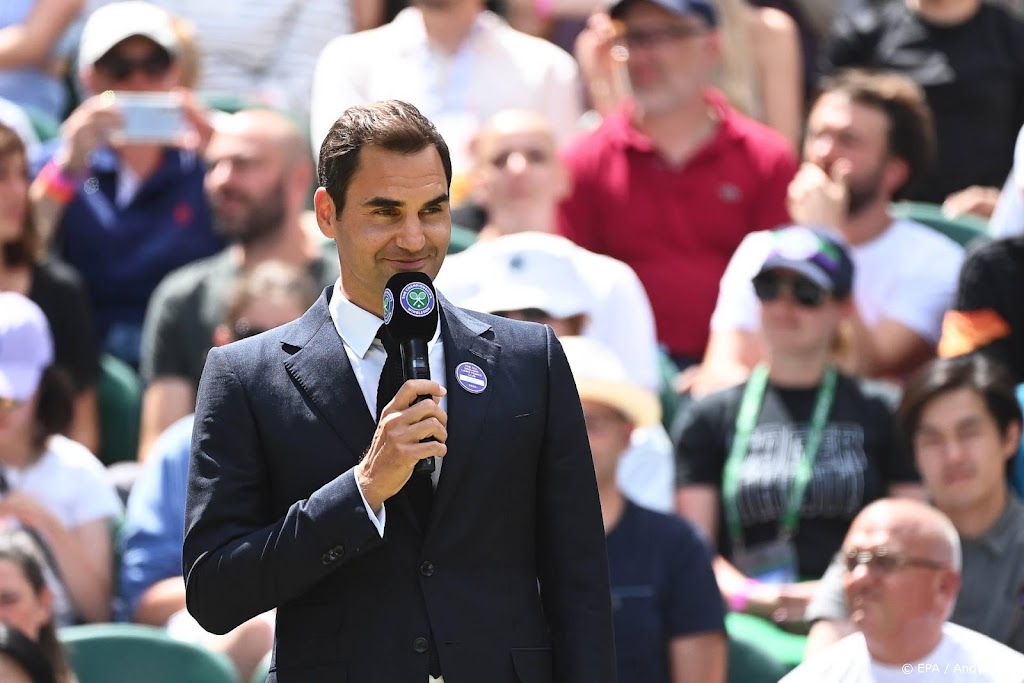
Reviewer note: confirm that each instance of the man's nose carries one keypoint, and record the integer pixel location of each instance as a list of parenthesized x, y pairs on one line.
[(412, 236)]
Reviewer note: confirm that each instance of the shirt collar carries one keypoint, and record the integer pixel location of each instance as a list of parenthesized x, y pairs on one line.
[(1006, 532), (622, 131), (357, 327)]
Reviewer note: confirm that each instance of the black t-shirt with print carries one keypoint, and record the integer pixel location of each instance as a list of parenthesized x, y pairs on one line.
[(973, 77), (861, 453)]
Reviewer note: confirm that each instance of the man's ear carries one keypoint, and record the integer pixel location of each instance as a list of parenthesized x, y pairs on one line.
[(897, 173), (326, 213)]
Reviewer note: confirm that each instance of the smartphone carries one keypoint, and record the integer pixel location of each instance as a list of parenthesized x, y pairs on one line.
[(155, 118)]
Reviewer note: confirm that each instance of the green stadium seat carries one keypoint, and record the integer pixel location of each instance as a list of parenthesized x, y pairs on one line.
[(751, 663), (120, 408), (965, 231), (132, 653), (785, 648), (462, 239)]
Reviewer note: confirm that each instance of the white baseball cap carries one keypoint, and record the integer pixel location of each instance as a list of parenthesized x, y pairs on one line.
[(110, 24), (26, 346), (601, 377), (532, 277)]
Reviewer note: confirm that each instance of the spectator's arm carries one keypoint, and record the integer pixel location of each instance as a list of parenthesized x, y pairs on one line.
[(334, 85), (698, 658), (166, 400), (85, 421), (889, 349), (780, 63), (30, 42), (160, 602), (730, 356)]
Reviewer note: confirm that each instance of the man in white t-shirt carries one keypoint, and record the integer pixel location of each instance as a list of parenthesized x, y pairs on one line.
[(868, 135), (903, 574)]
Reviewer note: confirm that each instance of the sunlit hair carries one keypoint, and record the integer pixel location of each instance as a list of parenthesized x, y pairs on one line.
[(24, 250)]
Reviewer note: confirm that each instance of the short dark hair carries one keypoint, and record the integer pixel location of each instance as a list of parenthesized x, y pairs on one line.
[(391, 124), (24, 249), (911, 125), (54, 408), (977, 372)]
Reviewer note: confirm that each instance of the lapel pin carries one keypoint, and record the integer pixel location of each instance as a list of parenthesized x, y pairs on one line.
[(470, 377)]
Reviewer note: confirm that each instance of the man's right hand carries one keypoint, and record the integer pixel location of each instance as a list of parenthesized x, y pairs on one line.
[(87, 128), (396, 445), (819, 198)]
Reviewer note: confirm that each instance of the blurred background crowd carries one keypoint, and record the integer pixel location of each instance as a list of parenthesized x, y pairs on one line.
[(782, 242)]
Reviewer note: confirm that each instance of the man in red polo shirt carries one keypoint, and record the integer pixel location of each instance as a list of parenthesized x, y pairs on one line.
[(673, 181)]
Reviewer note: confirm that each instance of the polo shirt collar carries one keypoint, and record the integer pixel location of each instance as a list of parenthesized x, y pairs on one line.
[(358, 327), (621, 130), (1006, 532)]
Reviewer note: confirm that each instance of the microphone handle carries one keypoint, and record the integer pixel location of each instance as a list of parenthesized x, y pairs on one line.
[(416, 365)]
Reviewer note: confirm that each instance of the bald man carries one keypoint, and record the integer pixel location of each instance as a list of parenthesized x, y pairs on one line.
[(903, 564), (257, 182)]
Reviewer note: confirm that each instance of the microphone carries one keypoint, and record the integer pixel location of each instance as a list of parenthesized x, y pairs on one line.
[(410, 315)]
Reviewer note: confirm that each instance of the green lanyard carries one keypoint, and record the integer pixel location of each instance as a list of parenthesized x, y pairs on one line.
[(746, 420)]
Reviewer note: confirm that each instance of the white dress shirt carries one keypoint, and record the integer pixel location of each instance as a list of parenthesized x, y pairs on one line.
[(358, 331)]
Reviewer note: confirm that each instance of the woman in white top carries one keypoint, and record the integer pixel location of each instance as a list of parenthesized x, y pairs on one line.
[(51, 485)]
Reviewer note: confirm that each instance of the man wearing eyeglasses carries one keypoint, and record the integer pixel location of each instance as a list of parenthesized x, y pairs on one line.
[(124, 189), (902, 571), (965, 424)]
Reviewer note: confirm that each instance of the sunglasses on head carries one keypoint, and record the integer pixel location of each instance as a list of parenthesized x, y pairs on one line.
[(120, 67), (770, 285), (886, 560)]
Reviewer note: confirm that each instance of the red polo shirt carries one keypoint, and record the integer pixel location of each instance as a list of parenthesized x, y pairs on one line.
[(677, 227)]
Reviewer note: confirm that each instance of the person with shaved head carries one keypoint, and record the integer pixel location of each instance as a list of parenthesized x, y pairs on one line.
[(902, 562), (257, 181)]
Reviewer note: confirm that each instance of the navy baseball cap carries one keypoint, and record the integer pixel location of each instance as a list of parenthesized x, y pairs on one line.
[(813, 253), (702, 8)]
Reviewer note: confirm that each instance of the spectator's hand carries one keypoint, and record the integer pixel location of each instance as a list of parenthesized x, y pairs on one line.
[(793, 601), (978, 200), (600, 61), (396, 446), (817, 198), (87, 128), (28, 512), (198, 117)]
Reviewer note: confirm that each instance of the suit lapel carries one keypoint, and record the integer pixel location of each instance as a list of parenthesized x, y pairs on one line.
[(465, 341), (321, 368)]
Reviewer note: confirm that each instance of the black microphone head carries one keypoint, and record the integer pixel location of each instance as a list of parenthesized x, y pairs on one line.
[(410, 306)]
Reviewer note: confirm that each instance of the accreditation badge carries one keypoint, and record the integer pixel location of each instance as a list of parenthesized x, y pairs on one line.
[(772, 562)]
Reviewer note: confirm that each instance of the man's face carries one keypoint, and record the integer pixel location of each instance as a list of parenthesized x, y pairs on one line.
[(609, 433), (13, 197), (246, 183), (396, 218), (516, 166), (671, 57), (136, 64), (885, 603), (840, 129), (960, 450)]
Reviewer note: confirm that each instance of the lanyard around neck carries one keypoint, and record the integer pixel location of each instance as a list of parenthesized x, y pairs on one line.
[(746, 420)]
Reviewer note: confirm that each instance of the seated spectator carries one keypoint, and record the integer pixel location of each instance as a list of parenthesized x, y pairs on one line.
[(965, 425), (262, 52), (151, 586), (1008, 218), (542, 284), (667, 611), (34, 54), (968, 56), (54, 286), (868, 135), (759, 45), (458, 63), (672, 181), (986, 316), (125, 214), (28, 602), (257, 181), (777, 468), (54, 486), (903, 566), (518, 180)]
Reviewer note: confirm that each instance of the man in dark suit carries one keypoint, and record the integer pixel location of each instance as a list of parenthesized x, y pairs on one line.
[(493, 569)]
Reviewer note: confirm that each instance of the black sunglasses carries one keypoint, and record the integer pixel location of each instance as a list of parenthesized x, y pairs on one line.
[(119, 67), (885, 560), (770, 286)]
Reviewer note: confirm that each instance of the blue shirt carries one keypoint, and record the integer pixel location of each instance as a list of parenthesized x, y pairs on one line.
[(663, 587), (124, 252), (154, 524)]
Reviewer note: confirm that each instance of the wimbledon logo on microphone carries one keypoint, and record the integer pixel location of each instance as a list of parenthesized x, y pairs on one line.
[(389, 305), (417, 299)]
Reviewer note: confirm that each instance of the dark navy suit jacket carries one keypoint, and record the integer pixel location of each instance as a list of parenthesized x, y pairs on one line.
[(511, 575)]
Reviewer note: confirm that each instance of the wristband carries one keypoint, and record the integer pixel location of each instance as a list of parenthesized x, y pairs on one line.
[(739, 599), (56, 184)]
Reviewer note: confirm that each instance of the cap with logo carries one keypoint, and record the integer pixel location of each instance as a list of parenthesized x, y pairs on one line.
[(110, 24), (601, 378), (26, 346), (814, 253), (702, 8), (532, 278)]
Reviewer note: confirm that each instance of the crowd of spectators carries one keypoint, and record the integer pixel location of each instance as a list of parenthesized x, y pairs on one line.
[(780, 241)]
